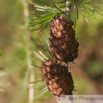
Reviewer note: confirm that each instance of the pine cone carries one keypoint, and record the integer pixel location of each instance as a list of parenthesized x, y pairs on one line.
[(58, 79), (63, 45)]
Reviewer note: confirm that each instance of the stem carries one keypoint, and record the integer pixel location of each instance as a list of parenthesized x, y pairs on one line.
[(69, 66), (68, 9), (29, 74)]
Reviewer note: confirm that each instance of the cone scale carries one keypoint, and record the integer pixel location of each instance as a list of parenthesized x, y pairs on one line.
[(57, 78), (63, 44)]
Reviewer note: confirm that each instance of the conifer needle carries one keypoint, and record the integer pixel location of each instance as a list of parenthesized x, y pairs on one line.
[(38, 56)]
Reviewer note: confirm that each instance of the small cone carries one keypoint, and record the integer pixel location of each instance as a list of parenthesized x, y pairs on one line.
[(58, 79), (63, 44)]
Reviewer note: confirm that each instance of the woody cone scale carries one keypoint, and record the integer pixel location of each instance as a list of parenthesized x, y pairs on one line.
[(58, 79), (63, 44)]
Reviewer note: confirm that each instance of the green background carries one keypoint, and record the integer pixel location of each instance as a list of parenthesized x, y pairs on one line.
[(18, 44)]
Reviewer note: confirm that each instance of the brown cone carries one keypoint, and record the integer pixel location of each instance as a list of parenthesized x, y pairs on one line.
[(63, 44), (58, 79)]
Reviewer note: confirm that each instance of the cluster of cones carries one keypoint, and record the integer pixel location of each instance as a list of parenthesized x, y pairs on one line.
[(64, 48)]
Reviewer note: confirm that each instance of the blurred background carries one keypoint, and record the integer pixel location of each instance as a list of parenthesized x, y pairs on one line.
[(18, 43)]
